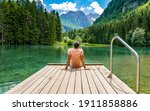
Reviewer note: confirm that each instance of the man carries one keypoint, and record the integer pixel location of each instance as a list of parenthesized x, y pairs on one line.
[(75, 57)]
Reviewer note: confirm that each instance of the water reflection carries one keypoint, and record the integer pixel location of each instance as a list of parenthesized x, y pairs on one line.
[(6, 86), (19, 62)]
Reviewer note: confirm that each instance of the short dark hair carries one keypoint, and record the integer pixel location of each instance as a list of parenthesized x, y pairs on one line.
[(76, 44)]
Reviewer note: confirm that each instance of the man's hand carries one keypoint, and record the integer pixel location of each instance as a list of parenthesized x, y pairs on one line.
[(64, 68), (87, 69)]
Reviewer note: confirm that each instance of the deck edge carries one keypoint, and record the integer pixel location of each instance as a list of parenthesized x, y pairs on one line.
[(65, 64)]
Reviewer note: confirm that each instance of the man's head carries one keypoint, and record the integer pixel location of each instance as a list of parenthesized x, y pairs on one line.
[(76, 44)]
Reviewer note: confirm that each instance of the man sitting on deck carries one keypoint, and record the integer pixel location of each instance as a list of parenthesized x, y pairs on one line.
[(75, 57)]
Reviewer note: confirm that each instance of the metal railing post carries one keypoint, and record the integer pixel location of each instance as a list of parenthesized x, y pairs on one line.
[(137, 60)]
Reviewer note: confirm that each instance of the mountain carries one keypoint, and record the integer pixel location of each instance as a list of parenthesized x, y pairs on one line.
[(130, 19), (74, 20), (117, 7), (92, 17)]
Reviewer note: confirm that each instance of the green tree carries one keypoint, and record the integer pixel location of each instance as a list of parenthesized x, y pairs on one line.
[(27, 22), (52, 24), (120, 22), (78, 38), (58, 28), (129, 36), (138, 37), (1, 23), (66, 39)]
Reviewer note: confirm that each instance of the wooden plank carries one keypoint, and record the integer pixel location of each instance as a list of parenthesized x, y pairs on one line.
[(64, 84), (71, 84), (78, 88), (26, 81), (91, 82), (85, 84), (30, 88), (107, 86), (101, 89), (43, 81), (110, 81), (58, 82), (124, 87), (52, 80)]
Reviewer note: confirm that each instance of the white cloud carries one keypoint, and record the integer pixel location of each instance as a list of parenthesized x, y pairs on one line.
[(89, 8), (86, 9), (36, 0), (82, 8), (68, 6), (41, 2), (97, 8)]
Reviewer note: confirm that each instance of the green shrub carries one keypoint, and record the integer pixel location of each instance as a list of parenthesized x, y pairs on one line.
[(66, 39), (138, 37), (70, 42)]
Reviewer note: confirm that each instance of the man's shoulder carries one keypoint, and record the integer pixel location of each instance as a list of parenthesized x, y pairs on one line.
[(70, 49), (81, 49)]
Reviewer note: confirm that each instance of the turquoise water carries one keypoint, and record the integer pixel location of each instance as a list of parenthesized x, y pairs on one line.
[(19, 62)]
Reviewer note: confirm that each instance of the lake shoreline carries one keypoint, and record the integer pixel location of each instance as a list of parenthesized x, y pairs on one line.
[(82, 44)]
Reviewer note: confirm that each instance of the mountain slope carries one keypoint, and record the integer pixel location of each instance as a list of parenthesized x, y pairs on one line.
[(92, 17), (74, 20), (117, 7), (124, 24)]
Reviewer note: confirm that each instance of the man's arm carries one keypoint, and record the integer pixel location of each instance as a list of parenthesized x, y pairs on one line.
[(82, 60), (68, 61)]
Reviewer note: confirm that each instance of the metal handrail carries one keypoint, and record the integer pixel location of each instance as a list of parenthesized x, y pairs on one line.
[(137, 60)]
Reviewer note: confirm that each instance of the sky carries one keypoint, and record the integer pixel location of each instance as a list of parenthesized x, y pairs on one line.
[(87, 6)]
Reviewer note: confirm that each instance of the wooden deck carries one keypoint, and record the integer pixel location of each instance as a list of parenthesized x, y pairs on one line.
[(53, 80)]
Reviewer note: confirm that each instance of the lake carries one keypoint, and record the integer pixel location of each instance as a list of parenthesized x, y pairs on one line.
[(19, 62)]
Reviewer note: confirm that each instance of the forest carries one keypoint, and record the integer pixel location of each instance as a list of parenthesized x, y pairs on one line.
[(133, 26), (25, 22)]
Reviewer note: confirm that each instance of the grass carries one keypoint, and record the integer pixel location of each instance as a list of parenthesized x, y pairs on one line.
[(60, 43), (94, 45), (82, 44)]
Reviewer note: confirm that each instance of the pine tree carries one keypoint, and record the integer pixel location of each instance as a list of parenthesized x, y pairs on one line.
[(58, 28), (1, 24), (52, 26), (27, 22)]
